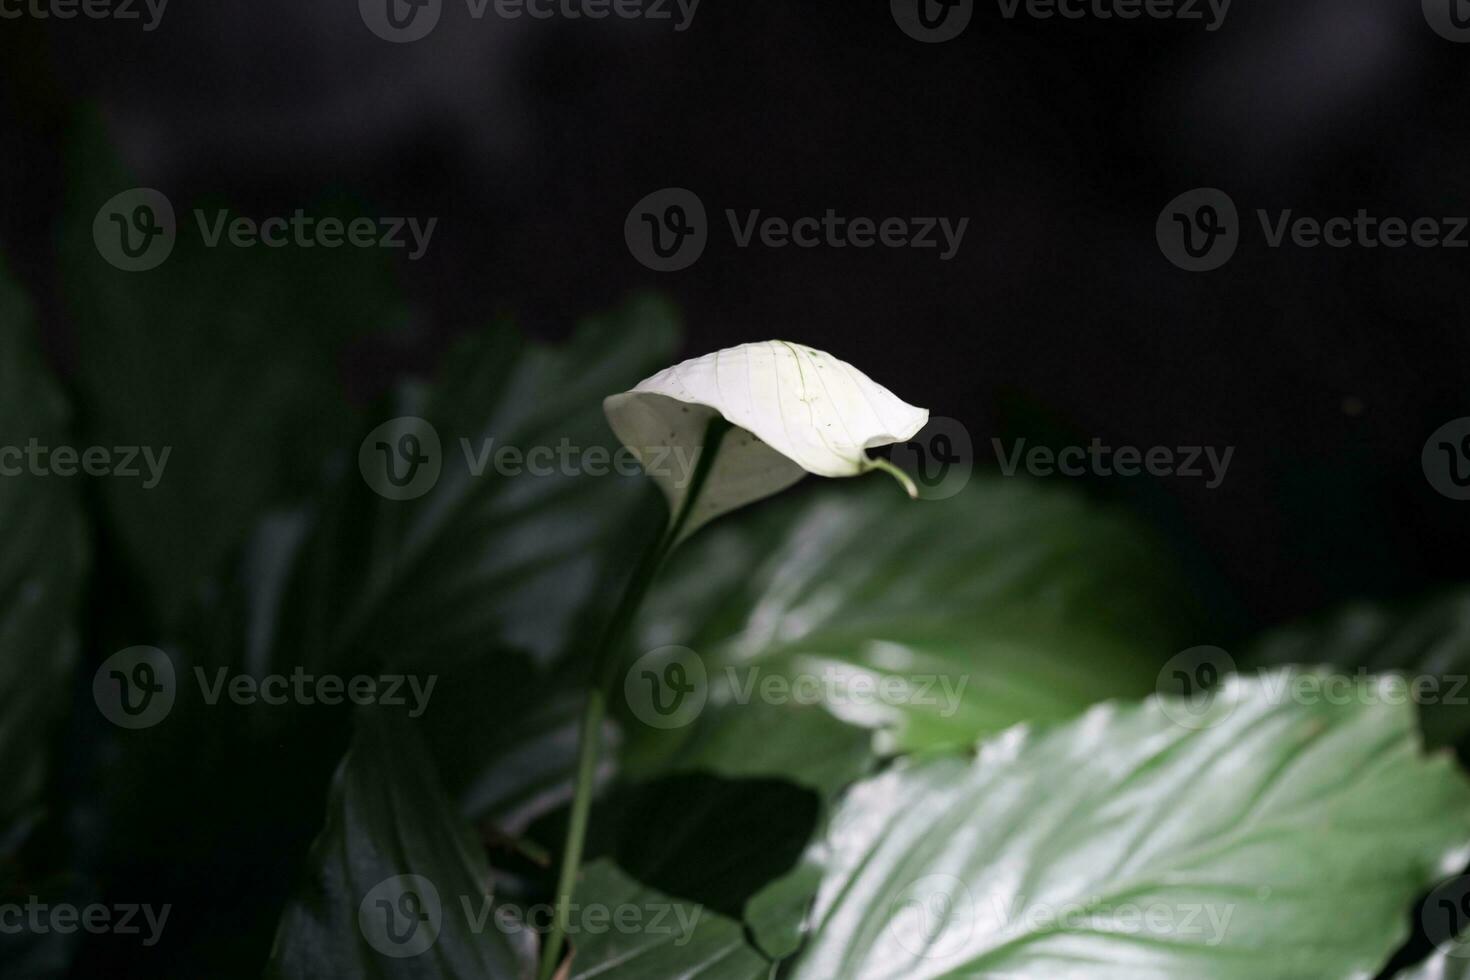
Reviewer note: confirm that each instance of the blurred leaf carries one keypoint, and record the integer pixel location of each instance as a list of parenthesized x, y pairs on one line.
[(505, 737), (672, 938), (494, 559), (41, 568), (399, 884), (1427, 640), (226, 357), (1123, 845)]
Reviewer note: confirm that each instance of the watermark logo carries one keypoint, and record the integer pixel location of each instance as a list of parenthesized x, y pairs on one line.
[(1211, 12), (299, 687), (932, 21), (941, 458), (135, 688), (404, 916), (667, 688), (1446, 459), (37, 918), (401, 917), (1445, 916), (933, 917), (1208, 924), (667, 230), (121, 462), (401, 21), (135, 231), (1199, 230), (149, 12), (402, 458), (1450, 19), (1189, 683), (1208, 463)]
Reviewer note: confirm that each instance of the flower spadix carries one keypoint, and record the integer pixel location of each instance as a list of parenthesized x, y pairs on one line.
[(793, 410)]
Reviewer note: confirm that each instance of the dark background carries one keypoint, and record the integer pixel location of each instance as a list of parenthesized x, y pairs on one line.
[(1060, 140)]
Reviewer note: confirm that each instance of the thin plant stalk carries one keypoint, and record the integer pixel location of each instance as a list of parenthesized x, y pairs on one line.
[(605, 662)]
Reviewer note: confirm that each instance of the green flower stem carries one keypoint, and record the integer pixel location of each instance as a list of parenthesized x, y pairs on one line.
[(605, 665)]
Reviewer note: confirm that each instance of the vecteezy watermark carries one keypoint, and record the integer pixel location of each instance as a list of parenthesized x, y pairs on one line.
[(403, 21), (1446, 459), (669, 687), (147, 12), (934, 21), (38, 917), (1200, 230), (934, 916), (941, 458), (1204, 923), (137, 687), (1188, 684), (34, 459), (1208, 463), (1450, 19), (1445, 916), (668, 230), (404, 458), (403, 917), (1211, 13), (1191, 683), (137, 229)]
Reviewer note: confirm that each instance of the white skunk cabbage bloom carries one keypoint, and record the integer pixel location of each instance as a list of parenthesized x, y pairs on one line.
[(794, 410)]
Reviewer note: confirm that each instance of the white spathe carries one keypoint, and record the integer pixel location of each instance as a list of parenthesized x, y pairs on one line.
[(795, 410)]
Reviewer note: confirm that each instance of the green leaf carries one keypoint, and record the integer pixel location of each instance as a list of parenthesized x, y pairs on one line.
[(761, 826), (399, 886), (226, 358), (1280, 839), (504, 558), (41, 567), (663, 936), (1010, 602), (1428, 641)]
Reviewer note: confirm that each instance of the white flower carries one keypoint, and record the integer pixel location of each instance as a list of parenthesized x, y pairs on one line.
[(795, 410)]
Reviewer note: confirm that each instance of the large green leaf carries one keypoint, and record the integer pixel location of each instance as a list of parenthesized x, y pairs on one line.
[(225, 357), (1278, 839), (1010, 602), (1427, 641), (399, 886), (41, 566)]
